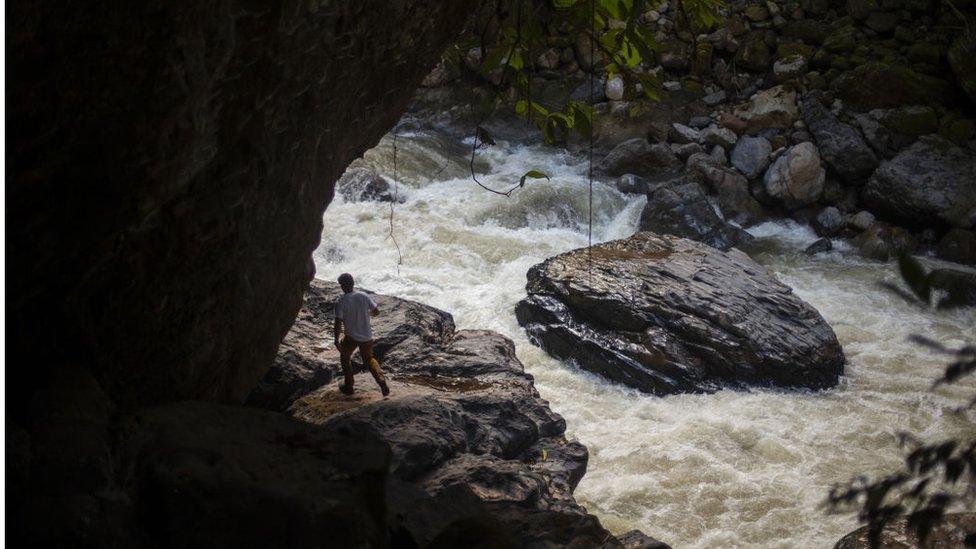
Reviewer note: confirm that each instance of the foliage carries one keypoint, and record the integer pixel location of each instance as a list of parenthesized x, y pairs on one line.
[(935, 476)]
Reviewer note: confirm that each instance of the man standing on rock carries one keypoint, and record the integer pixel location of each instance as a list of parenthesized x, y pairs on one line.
[(352, 312)]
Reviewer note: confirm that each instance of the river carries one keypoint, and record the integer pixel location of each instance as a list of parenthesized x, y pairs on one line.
[(731, 469)]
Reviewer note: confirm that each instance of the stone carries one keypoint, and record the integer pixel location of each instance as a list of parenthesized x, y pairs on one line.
[(365, 185), (306, 356), (734, 199), (753, 54), (877, 84), (674, 55), (907, 124), (714, 135), (951, 531), (463, 430), (680, 208), (958, 245), (587, 54), (668, 315), (635, 539), (633, 184), (790, 67), (772, 108), (796, 178), (957, 288), (614, 88), (682, 134), (883, 241), (928, 184), (751, 156), (829, 222), (616, 122), (841, 40), (686, 150), (876, 135), (637, 156), (548, 59), (756, 12), (862, 220), (714, 99), (821, 245), (700, 122), (587, 94), (840, 145)]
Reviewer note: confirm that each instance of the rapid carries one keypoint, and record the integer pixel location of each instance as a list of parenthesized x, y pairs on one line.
[(731, 469)]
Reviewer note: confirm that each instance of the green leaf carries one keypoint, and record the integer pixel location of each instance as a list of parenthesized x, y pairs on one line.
[(533, 174)]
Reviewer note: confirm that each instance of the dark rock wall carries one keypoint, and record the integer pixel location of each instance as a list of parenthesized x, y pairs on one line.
[(168, 167)]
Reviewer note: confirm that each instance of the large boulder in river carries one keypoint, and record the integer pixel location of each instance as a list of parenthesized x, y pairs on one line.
[(669, 315), (362, 184), (931, 182), (841, 146), (638, 156), (796, 178), (680, 208)]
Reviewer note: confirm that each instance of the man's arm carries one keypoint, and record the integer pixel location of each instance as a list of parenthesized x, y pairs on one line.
[(337, 330), (373, 309)]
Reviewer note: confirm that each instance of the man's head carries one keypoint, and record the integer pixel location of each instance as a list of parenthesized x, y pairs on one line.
[(346, 281)]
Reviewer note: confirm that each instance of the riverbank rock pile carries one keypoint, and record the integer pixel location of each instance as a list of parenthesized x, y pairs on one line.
[(475, 455), (804, 109), (668, 315)]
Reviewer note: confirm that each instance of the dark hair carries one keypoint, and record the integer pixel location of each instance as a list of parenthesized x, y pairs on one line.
[(345, 280)]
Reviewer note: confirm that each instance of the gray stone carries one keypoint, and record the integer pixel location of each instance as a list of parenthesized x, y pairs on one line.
[(929, 183), (829, 222), (682, 134), (883, 241), (772, 108), (714, 135), (862, 220), (700, 122), (751, 156), (841, 146), (790, 67), (365, 185), (820, 246), (796, 178), (637, 156), (680, 208), (614, 88), (714, 99), (667, 315)]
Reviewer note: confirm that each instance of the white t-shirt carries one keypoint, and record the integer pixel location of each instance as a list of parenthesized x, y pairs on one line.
[(353, 310)]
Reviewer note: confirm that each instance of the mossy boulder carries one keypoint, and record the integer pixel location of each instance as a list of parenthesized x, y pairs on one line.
[(789, 49), (841, 40), (878, 84), (753, 54), (913, 121)]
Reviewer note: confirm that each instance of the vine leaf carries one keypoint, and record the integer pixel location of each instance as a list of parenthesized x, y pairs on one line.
[(533, 174)]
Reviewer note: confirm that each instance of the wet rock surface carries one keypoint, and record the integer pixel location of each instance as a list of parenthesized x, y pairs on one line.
[(680, 208), (668, 315), (930, 182), (949, 532), (474, 450)]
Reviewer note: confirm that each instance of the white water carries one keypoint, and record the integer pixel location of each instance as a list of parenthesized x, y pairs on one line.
[(732, 469)]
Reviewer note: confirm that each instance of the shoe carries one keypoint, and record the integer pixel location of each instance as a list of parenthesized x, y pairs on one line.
[(345, 389), (384, 388)]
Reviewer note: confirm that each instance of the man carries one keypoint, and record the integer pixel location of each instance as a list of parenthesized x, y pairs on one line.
[(352, 313)]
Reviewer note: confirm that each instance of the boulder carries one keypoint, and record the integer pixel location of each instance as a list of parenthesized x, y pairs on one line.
[(906, 124), (958, 245), (637, 156), (772, 108), (877, 84), (668, 315), (753, 53), (840, 145), (470, 447), (829, 222), (680, 208), (862, 220), (682, 134), (790, 67), (883, 241), (363, 184), (751, 156), (796, 178), (957, 287), (714, 135), (821, 245), (951, 531), (927, 184), (307, 359)]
